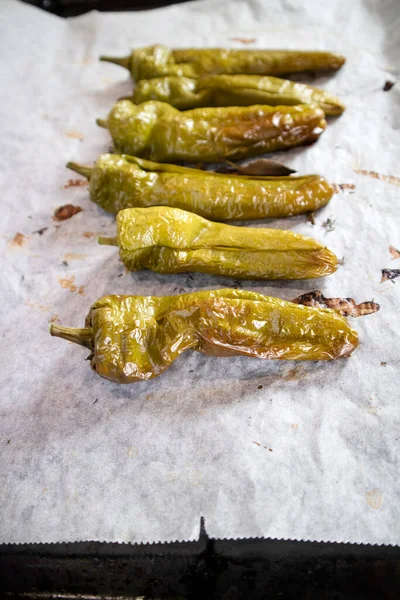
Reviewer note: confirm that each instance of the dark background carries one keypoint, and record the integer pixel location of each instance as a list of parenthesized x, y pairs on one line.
[(71, 8)]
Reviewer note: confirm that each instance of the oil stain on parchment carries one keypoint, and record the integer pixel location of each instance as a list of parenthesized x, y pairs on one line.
[(75, 135), (74, 256), (374, 499), (75, 183), (67, 283), (394, 252), (18, 240)]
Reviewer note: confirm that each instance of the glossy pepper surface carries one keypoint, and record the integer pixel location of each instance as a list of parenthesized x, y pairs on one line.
[(160, 132), (233, 90), (120, 181), (171, 240), (133, 338), (159, 61)]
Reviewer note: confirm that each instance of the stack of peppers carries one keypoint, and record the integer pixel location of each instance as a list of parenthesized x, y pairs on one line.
[(213, 106)]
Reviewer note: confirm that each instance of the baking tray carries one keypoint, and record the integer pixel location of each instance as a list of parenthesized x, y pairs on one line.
[(251, 569)]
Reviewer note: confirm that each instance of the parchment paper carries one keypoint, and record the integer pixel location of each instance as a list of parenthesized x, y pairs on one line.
[(305, 451)]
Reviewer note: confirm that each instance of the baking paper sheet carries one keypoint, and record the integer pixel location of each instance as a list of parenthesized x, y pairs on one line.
[(304, 451)]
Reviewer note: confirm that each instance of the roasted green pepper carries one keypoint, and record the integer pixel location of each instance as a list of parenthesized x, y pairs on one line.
[(157, 131), (159, 61), (133, 338), (233, 90), (120, 181), (171, 240)]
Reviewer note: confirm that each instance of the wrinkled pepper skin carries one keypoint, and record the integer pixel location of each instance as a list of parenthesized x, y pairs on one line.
[(233, 90), (134, 338), (120, 181), (160, 61), (171, 240), (159, 132)]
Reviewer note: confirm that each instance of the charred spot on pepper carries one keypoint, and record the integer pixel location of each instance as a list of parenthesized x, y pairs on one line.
[(259, 166), (345, 306)]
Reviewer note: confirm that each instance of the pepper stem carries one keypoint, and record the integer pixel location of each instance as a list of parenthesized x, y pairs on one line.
[(107, 241), (83, 337), (101, 123), (122, 62), (81, 169)]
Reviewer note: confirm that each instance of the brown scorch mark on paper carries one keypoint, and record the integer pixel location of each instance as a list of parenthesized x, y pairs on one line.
[(388, 85), (244, 40), (18, 240), (338, 187), (345, 306), (54, 319), (295, 374), (390, 274), (394, 252), (76, 135), (388, 178), (75, 183), (81, 290), (62, 213), (88, 234), (68, 283)]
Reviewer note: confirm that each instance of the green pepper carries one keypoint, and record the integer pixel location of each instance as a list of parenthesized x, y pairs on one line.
[(157, 131), (159, 61), (120, 181), (133, 338), (233, 90), (171, 240)]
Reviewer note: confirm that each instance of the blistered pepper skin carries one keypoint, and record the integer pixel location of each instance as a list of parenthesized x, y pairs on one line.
[(119, 181), (134, 338), (159, 132), (160, 61), (233, 90), (171, 240)]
